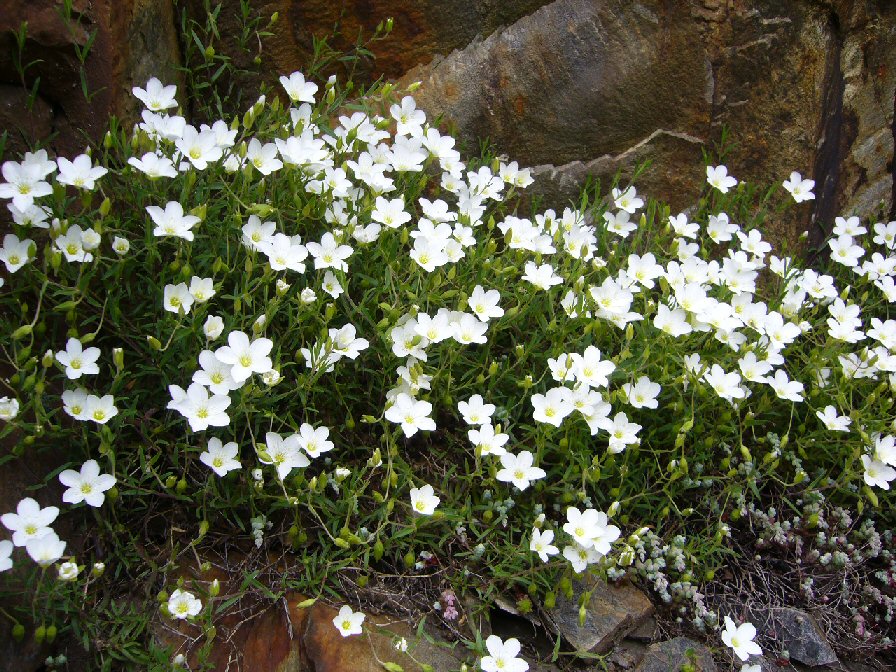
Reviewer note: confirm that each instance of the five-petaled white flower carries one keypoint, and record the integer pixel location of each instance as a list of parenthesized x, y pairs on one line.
[(424, 500), (740, 639), (30, 521), (88, 485), (348, 622), (220, 458), (78, 361), (503, 656), (518, 469), (540, 543), (411, 414), (800, 189), (246, 357), (718, 177), (183, 604)]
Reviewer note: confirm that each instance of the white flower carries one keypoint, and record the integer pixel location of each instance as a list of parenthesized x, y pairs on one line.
[(503, 656), (643, 393), (832, 420), (542, 276), (298, 90), (627, 200), (213, 327), (551, 408), (68, 571), (348, 622), (99, 409), (411, 414), (201, 409), (314, 440), (88, 485), (9, 408), (246, 357), (79, 173), (172, 221), (156, 96), (740, 639), (77, 361), (182, 604), (877, 474), (800, 189), (540, 543), (424, 500), (220, 458), (177, 298), (476, 411), (121, 246), (5, 555), (487, 440), (15, 253), (518, 469), (153, 166), (485, 303), (46, 549), (331, 285), (284, 453), (30, 521), (202, 289), (717, 176)]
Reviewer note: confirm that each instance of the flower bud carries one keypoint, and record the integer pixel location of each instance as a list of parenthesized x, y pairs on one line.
[(118, 358), (215, 588)]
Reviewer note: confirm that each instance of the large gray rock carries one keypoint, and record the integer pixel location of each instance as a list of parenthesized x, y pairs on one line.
[(610, 614), (798, 633), (672, 654)]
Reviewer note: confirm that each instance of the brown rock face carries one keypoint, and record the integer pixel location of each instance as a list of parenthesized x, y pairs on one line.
[(574, 88), (581, 88), (286, 638), (135, 39)]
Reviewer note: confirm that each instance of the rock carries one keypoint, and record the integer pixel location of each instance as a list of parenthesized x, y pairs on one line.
[(285, 638), (421, 29), (672, 654), (801, 85), (644, 632), (611, 613), (626, 655), (798, 633), (134, 39)]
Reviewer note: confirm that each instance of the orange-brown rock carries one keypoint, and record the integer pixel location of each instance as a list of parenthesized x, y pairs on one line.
[(134, 40), (255, 636)]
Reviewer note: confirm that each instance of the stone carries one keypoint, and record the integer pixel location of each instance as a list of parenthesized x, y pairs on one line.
[(134, 39), (421, 30), (799, 634), (644, 632), (610, 614), (283, 637), (578, 89), (672, 654)]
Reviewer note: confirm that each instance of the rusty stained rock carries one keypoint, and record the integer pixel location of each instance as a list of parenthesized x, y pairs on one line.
[(573, 81), (282, 637), (581, 89), (135, 39)]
